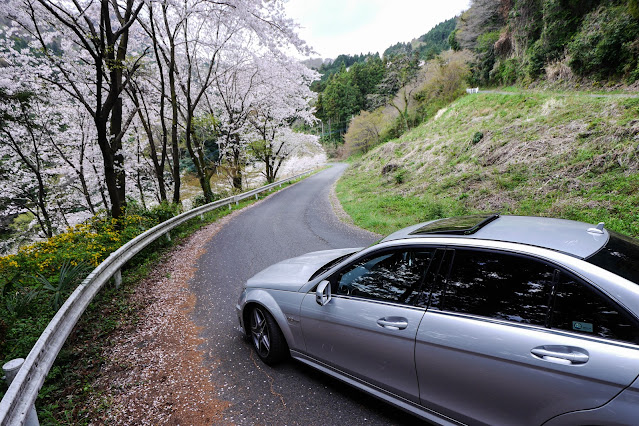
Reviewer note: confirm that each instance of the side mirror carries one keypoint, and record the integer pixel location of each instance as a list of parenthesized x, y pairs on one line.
[(323, 293)]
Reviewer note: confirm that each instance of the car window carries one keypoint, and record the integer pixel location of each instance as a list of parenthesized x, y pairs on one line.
[(392, 276), (580, 308), (499, 285), (620, 256)]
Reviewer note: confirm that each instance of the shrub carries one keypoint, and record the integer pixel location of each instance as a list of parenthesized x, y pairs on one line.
[(508, 71), (477, 137), (400, 176), (35, 281), (364, 131)]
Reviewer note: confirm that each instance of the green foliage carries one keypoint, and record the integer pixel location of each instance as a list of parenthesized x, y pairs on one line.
[(19, 302), (428, 45), (600, 37), (508, 71), (398, 49), (328, 70), (35, 281), (345, 95), (477, 137), (200, 200), (485, 61), (161, 212), (437, 39), (400, 176), (70, 274), (452, 41), (535, 59), (607, 44), (364, 82)]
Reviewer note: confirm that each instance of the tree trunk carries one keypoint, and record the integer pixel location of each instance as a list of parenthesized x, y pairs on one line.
[(174, 130), (237, 170), (197, 157)]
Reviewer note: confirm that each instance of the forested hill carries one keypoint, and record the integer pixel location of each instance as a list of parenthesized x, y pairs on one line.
[(329, 68), (527, 40), (428, 45)]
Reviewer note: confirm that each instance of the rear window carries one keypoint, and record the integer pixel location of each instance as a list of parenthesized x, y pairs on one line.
[(620, 256)]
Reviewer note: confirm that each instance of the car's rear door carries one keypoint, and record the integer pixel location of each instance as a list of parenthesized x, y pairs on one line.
[(493, 349), (368, 328)]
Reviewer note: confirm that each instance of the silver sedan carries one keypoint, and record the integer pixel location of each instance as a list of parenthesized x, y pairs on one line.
[(481, 319)]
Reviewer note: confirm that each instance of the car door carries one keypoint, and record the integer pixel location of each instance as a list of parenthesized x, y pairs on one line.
[(515, 340), (368, 328)]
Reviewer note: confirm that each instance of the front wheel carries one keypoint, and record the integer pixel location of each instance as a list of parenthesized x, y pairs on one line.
[(267, 337)]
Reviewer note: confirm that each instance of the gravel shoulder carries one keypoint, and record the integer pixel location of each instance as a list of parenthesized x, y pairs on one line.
[(154, 371)]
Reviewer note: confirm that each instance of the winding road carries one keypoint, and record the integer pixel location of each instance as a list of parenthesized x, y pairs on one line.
[(289, 223)]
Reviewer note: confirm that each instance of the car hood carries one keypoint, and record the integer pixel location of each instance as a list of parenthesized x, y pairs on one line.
[(292, 274)]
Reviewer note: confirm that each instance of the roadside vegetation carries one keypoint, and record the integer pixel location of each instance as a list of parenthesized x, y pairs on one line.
[(38, 279), (571, 156)]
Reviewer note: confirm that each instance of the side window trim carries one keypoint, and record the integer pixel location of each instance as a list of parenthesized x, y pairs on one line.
[(551, 297), (447, 263), (426, 287)]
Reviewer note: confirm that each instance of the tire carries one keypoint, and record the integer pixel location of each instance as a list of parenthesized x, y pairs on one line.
[(266, 337)]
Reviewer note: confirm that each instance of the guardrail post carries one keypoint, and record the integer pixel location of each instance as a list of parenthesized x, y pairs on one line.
[(10, 370), (168, 236), (117, 278), (256, 196), (202, 217)]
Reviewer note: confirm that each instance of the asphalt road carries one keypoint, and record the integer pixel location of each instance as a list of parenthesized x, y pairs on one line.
[(294, 221)]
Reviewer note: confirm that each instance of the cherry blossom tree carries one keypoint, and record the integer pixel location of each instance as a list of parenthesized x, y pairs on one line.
[(100, 98), (149, 100), (92, 64), (282, 97), (26, 157), (200, 38)]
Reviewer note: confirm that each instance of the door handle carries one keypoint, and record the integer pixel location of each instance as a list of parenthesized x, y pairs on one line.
[(393, 323), (568, 355)]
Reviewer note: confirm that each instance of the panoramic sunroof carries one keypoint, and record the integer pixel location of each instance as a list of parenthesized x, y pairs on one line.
[(462, 225)]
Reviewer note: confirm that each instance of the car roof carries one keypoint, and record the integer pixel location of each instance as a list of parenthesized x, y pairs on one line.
[(577, 239)]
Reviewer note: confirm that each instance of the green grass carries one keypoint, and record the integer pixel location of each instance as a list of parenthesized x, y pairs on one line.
[(542, 153)]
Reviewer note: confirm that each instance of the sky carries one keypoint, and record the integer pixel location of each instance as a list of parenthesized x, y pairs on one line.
[(333, 27)]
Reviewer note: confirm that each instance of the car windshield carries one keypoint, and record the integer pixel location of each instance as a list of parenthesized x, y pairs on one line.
[(619, 256), (328, 266)]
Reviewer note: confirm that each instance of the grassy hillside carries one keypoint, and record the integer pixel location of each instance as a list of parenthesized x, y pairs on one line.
[(571, 156)]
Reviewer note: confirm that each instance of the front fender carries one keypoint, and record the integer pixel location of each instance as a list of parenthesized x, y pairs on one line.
[(284, 306)]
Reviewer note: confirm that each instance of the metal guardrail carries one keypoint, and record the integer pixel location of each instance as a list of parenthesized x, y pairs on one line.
[(24, 388)]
